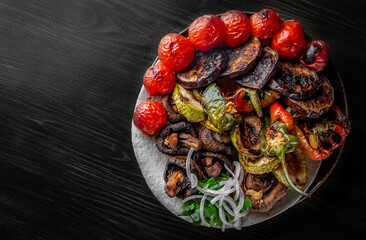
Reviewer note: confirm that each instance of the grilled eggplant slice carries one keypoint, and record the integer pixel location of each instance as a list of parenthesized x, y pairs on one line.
[(245, 136), (317, 105), (205, 68), (188, 105), (263, 71), (295, 81), (264, 164), (296, 167), (243, 58)]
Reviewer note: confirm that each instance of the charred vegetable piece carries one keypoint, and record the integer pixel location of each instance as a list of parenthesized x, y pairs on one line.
[(216, 141), (204, 69), (246, 136), (244, 105), (216, 108), (267, 202), (342, 127), (295, 81), (296, 166), (263, 71), (177, 139), (259, 182), (264, 164), (316, 55), (171, 109), (278, 113), (243, 58), (277, 142), (313, 153), (212, 164), (263, 191), (177, 182), (188, 105), (317, 105)]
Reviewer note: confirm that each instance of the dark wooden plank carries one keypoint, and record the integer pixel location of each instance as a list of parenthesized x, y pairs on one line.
[(70, 72)]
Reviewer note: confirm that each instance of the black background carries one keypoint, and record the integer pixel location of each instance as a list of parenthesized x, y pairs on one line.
[(70, 73)]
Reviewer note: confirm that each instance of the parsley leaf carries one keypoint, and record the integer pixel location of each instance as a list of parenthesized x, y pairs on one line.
[(191, 208)]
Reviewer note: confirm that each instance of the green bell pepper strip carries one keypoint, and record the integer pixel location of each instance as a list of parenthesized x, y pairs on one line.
[(256, 101), (215, 105)]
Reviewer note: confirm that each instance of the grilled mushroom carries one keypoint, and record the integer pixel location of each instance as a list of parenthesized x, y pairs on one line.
[(216, 141), (177, 139), (212, 164), (268, 201), (264, 191), (171, 110), (177, 182), (259, 182)]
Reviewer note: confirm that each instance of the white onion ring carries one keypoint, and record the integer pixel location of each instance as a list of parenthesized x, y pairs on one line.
[(202, 206), (232, 184)]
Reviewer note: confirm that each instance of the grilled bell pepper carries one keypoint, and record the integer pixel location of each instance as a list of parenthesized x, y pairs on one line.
[(276, 141), (316, 154), (342, 127), (255, 101), (279, 113), (216, 108)]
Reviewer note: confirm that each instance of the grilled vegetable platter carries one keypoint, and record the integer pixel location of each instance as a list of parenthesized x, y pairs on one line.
[(236, 117)]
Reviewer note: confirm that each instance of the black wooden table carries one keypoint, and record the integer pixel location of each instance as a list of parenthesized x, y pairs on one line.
[(70, 73)]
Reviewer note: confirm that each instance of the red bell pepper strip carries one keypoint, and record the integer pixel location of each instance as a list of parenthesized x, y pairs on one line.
[(308, 150), (341, 118), (334, 139), (246, 106), (279, 113), (342, 127)]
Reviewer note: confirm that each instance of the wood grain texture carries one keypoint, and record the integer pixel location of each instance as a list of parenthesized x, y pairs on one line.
[(70, 72)]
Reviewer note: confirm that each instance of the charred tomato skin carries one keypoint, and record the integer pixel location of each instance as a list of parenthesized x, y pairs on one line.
[(265, 23), (175, 51), (289, 42), (159, 80), (318, 59), (206, 32), (237, 28), (149, 117)]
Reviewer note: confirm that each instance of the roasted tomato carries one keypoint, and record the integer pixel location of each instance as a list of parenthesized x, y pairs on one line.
[(316, 55), (265, 23), (149, 117), (159, 80), (206, 32), (175, 51), (289, 42), (237, 28)]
